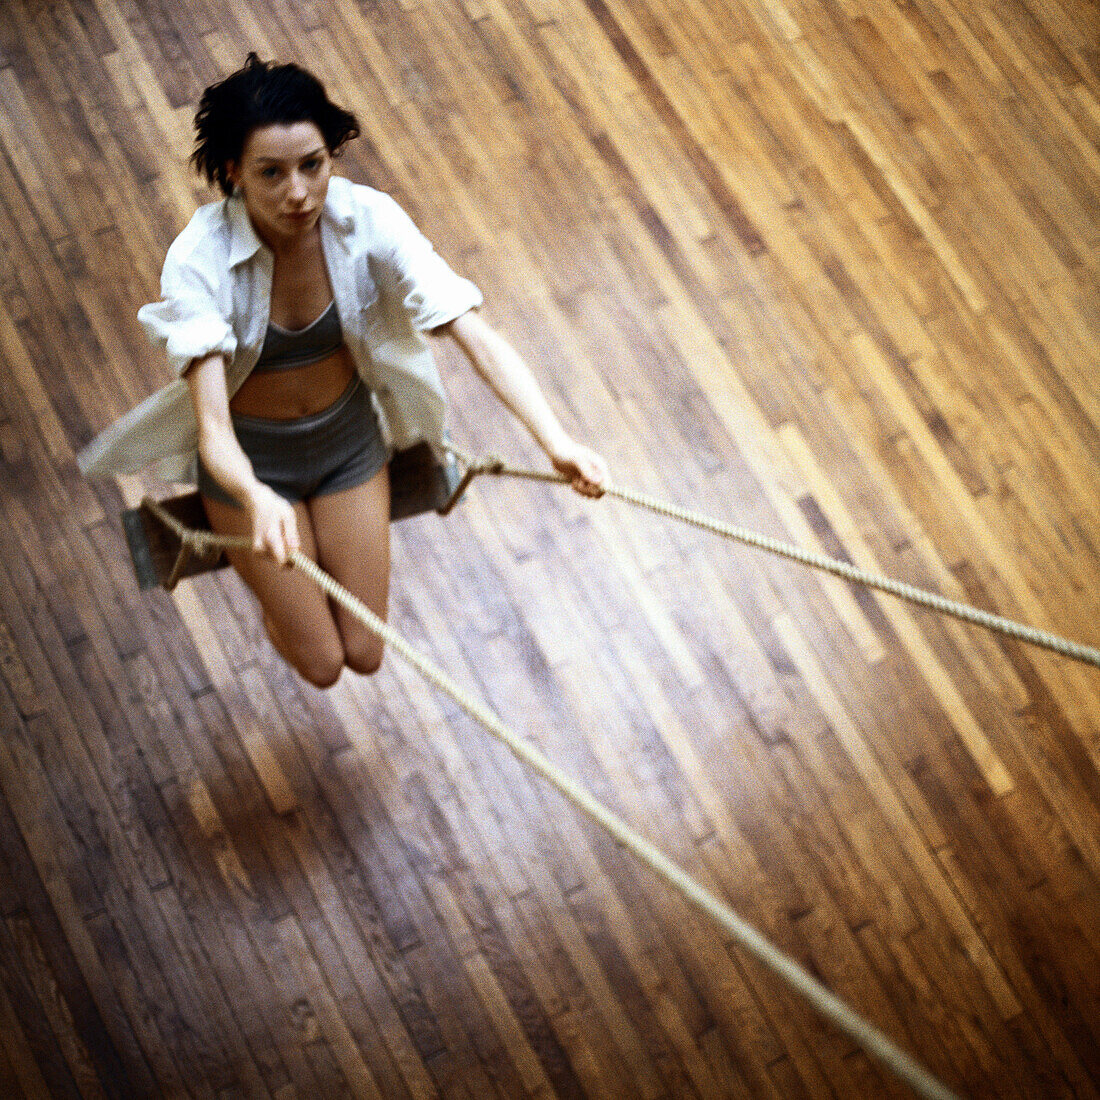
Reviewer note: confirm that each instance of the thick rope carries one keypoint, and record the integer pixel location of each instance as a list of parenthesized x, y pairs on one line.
[(845, 570), (873, 1041)]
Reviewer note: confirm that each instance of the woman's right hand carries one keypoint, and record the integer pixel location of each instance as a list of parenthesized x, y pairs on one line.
[(274, 524), (273, 520)]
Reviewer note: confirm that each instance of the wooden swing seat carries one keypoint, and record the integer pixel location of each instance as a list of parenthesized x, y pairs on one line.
[(420, 481)]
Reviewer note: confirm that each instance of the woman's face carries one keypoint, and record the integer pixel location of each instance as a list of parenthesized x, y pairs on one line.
[(284, 172)]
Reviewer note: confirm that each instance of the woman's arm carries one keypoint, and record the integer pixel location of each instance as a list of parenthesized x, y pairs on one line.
[(274, 524), (494, 358)]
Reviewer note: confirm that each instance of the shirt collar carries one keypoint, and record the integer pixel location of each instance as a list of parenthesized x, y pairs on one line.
[(245, 242), (339, 207)]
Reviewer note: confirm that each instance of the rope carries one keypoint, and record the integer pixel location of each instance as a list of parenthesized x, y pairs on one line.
[(873, 1041), (845, 570)]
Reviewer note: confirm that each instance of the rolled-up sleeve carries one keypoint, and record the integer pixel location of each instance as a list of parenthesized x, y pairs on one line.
[(188, 323), (428, 288)]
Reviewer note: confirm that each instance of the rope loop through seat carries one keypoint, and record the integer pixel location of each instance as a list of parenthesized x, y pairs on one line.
[(873, 1041)]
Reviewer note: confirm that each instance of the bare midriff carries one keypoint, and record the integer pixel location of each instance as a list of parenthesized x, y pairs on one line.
[(299, 391)]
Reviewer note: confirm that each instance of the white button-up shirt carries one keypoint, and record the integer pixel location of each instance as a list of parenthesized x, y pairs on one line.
[(390, 287)]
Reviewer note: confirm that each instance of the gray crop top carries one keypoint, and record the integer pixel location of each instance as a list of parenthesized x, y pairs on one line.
[(285, 348)]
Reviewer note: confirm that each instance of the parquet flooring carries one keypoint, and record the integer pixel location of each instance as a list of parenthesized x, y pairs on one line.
[(824, 268)]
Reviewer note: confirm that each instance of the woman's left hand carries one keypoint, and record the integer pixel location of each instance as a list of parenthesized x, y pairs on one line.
[(512, 381), (586, 470)]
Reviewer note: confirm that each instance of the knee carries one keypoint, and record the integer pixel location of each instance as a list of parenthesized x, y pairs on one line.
[(321, 670), (318, 663), (365, 657)]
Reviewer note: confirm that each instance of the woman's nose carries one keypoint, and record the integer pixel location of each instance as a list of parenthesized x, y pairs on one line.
[(297, 189)]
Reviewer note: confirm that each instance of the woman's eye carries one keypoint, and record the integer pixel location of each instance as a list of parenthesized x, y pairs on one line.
[(269, 173), (313, 164)]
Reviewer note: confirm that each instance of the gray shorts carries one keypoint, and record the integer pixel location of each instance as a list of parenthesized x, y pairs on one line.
[(310, 456)]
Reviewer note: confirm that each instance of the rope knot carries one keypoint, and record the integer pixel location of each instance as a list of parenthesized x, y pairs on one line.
[(490, 464), (204, 544)]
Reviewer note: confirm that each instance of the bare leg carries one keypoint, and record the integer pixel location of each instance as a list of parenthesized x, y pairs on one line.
[(352, 530), (297, 614), (348, 534)]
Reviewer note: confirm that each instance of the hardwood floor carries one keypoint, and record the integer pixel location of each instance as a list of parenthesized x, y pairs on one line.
[(823, 268)]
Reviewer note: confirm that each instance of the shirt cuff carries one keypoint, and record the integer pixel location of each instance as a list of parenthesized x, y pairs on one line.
[(186, 338), (431, 311)]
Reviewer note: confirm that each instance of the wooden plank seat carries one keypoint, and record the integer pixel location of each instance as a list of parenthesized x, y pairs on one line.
[(420, 481)]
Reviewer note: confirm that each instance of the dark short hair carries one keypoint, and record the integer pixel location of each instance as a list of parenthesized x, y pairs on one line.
[(262, 93)]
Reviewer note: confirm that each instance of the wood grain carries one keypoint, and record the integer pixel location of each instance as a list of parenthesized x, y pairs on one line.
[(823, 268)]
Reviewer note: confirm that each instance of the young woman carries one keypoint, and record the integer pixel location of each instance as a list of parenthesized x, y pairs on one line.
[(295, 311)]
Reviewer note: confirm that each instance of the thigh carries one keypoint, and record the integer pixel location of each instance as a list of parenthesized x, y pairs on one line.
[(352, 529), (297, 610)]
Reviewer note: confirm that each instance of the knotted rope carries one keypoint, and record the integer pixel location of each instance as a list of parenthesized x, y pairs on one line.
[(870, 1038), (845, 570)]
